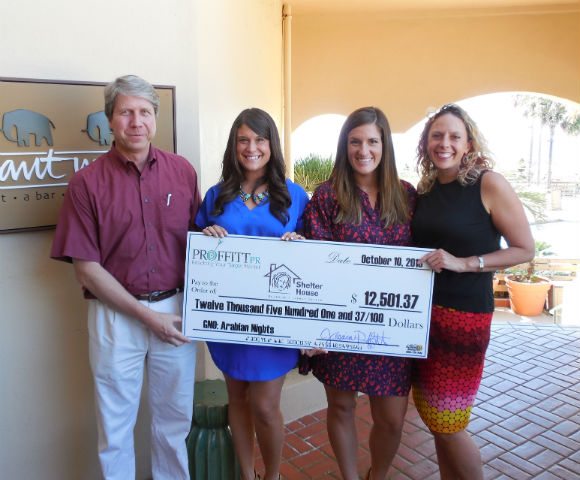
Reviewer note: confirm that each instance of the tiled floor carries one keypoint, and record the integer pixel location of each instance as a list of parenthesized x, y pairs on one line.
[(526, 419)]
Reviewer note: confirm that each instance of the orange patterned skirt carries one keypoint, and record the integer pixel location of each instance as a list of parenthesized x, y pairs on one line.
[(446, 383)]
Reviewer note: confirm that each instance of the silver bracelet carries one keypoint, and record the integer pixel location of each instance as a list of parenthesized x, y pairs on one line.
[(481, 264)]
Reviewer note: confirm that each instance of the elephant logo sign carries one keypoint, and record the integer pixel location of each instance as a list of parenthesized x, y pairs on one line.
[(19, 125), (25, 123), (98, 128)]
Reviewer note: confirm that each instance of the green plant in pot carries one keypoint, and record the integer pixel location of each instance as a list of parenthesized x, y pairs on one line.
[(527, 290)]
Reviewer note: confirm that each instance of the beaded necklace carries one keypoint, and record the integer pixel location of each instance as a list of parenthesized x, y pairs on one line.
[(256, 197)]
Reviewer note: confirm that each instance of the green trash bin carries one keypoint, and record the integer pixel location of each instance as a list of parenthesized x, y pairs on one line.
[(209, 443)]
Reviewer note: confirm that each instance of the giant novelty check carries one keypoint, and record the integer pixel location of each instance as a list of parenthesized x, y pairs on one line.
[(338, 296)]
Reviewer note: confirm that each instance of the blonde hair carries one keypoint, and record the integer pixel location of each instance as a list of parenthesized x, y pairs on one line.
[(473, 164)]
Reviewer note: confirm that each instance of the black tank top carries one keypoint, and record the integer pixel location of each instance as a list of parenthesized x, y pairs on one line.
[(452, 217)]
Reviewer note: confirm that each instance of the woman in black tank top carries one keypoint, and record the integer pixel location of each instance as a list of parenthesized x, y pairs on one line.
[(463, 209)]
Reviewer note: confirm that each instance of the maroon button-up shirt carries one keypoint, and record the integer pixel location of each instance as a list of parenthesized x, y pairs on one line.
[(133, 224)]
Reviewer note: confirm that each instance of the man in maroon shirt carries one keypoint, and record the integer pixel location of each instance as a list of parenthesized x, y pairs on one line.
[(123, 225)]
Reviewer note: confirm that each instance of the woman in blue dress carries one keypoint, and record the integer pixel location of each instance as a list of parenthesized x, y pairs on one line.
[(254, 198)]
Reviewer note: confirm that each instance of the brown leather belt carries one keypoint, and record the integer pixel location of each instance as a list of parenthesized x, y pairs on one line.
[(158, 295)]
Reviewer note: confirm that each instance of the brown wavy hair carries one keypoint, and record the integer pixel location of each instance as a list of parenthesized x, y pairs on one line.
[(473, 164), (261, 123), (393, 199)]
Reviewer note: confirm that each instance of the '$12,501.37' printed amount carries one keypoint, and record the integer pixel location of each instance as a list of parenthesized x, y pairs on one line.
[(391, 300)]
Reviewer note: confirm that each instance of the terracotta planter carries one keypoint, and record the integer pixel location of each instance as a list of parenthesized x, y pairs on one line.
[(528, 299), (501, 302)]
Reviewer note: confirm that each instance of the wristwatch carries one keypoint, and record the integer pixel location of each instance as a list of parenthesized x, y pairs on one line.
[(481, 264)]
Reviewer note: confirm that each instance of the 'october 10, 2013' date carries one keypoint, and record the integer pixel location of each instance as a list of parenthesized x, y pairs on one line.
[(391, 300)]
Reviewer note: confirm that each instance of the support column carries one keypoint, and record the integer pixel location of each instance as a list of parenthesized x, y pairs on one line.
[(287, 87)]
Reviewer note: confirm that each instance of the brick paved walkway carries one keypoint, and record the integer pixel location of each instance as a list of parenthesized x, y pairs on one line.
[(526, 419)]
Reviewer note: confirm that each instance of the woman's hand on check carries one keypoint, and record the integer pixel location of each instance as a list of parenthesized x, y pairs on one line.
[(215, 231), (311, 352), (291, 236)]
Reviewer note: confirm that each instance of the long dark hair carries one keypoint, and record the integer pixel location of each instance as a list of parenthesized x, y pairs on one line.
[(232, 176), (393, 199)]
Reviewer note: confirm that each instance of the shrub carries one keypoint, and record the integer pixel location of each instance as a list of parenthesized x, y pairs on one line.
[(312, 170)]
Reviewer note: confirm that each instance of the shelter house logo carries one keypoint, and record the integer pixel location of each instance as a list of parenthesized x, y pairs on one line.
[(281, 278)]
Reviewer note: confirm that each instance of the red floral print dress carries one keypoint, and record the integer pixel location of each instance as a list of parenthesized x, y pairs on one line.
[(375, 375)]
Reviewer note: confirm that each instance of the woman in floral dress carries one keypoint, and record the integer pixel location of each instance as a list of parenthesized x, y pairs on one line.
[(364, 201)]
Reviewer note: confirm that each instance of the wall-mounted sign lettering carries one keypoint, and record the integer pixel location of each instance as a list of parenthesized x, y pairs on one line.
[(48, 131)]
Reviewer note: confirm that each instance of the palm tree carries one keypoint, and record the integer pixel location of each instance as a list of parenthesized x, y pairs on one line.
[(571, 124), (550, 113)]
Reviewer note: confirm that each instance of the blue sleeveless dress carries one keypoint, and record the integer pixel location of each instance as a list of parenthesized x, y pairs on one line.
[(249, 362)]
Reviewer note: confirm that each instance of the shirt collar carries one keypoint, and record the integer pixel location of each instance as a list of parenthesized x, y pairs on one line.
[(151, 157)]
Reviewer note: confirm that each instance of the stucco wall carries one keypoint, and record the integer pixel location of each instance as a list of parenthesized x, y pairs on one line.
[(221, 56), (407, 63), (240, 67)]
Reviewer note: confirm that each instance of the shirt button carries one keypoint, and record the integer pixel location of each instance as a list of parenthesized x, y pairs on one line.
[(146, 200), (153, 270), (151, 247)]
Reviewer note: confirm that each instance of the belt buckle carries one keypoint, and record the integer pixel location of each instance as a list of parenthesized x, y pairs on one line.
[(154, 295)]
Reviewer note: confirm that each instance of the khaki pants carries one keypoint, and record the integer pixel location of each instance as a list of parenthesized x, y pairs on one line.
[(120, 348)]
